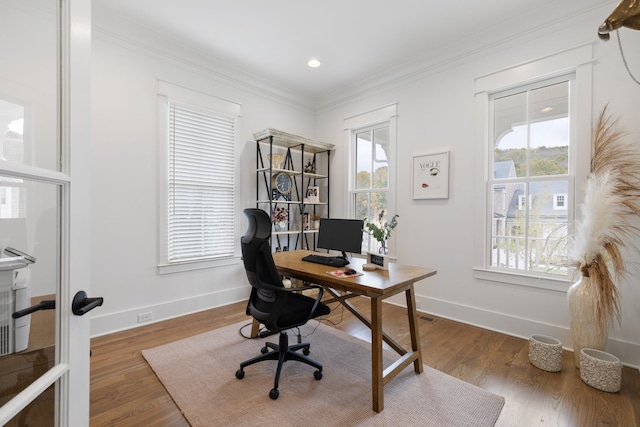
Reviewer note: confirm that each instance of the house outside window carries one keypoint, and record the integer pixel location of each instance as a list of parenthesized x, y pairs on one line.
[(529, 163), (198, 179)]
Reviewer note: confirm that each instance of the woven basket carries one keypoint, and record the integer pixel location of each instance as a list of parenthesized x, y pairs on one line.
[(545, 353), (600, 370)]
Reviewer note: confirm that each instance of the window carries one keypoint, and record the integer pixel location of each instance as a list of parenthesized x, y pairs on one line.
[(199, 179), (522, 202), (559, 201), (534, 130), (529, 161), (371, 169), (370, 195)]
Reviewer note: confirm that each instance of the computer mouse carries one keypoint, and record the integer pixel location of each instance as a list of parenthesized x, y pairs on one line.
[(349, 271)]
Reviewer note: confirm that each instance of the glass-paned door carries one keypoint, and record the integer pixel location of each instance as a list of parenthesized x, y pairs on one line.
[(43, 120), (30, 278)]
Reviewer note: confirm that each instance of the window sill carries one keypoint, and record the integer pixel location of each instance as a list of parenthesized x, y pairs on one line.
[(549, 283), (179, 267)]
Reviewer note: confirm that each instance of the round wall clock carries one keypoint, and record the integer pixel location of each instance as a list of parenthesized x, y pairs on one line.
[(282, 182)]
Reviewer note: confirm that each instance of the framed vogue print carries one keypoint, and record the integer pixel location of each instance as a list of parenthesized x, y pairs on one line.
[(431, 176)]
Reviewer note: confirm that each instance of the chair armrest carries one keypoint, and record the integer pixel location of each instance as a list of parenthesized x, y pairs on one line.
[(292, 289)]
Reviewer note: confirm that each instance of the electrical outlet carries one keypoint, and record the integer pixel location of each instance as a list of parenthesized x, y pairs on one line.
[(418, 303), (145, 317)]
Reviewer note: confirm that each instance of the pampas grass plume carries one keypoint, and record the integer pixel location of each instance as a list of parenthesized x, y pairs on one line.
[(612, 196)]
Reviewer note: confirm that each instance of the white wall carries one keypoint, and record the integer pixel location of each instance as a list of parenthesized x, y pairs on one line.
[(125, 183), (436, 112)]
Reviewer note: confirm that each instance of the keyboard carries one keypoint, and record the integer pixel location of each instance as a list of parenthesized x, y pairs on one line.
[(326, 260)]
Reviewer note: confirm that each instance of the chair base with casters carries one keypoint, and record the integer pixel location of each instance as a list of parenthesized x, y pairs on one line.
[(282, 352)]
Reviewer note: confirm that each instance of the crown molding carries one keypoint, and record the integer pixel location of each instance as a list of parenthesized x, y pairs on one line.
[(120, 30), (466, 50)]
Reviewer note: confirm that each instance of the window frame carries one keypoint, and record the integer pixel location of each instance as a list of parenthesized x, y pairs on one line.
[(577, 61), (381, 117), (202, 102), (354, 192)]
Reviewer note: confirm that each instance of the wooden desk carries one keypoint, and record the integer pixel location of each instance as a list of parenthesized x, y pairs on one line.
[(377, 285)]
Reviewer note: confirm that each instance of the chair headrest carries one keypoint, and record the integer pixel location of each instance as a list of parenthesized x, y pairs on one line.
[(259, 225)]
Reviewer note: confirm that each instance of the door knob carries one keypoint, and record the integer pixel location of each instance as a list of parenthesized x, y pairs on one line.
[(81, 305)]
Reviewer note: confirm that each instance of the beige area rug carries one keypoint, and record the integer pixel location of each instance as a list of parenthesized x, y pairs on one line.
[(199, 374)]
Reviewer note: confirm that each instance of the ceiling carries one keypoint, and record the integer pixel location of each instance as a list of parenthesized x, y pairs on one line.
[(355, 40)]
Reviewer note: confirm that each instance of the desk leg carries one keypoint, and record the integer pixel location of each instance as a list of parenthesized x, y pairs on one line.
[(255, 328), (377, 378), (413, 328)]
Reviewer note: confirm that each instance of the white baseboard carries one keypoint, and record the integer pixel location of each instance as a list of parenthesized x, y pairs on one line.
[(123, 320), (628, 353)]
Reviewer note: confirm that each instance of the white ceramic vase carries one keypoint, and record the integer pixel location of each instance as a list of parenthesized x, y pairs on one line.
[(582, 319)]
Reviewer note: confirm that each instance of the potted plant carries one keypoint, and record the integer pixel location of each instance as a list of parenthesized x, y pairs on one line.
[(315, 220), (280, 217), (381, 231), (605, 228)]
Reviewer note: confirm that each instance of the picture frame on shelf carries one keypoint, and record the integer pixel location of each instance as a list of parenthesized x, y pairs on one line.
[(305, 221), (430, 176), (313, 194)]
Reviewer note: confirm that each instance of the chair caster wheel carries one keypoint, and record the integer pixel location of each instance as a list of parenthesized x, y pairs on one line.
[(306, 351), (317, 375), (239, 374), (264, 349), (274, 393)]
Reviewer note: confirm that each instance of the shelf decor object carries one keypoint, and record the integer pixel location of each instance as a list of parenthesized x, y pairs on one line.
[(600, 370), (381, 230), (315, 220), (313, 194), (280, 215), (276, 160), (545, 353)]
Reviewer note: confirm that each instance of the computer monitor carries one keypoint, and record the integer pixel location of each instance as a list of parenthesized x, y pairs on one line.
[(344, 235)]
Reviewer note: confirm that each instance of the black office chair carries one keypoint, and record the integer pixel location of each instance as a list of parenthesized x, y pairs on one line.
[(273, 305)]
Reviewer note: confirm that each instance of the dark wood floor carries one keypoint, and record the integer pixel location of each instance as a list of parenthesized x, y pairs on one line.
[(126, 392)]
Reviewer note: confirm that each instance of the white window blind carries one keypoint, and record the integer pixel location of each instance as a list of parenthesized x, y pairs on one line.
[(201, 184)]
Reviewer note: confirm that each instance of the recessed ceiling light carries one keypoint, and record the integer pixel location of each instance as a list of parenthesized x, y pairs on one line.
[(546, 109), (313, 63)]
